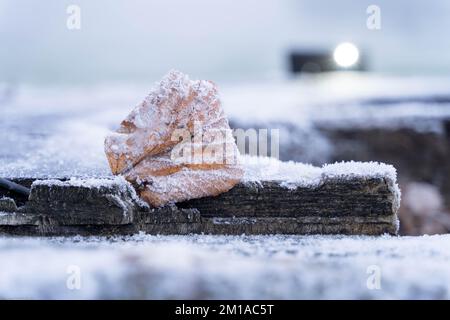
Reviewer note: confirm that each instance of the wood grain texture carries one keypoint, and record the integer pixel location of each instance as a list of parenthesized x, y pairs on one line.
[(352, 206)]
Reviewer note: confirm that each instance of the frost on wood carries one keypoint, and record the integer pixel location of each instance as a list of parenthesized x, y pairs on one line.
[(83, 202), (293, 175), (157, 146), (301, 174), (328, 200)]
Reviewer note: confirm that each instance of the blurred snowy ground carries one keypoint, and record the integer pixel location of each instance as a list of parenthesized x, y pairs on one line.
[(226, 267)]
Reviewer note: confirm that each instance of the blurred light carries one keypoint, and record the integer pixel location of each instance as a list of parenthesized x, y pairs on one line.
[(346, 54)]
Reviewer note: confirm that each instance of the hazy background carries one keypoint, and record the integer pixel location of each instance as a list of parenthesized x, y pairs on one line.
[(138, 41)]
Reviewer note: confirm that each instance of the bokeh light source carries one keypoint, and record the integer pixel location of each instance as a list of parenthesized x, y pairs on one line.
[(346, 55)]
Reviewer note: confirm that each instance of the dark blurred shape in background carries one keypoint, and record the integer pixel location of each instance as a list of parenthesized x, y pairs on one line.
[(345, 57), (310, 62)]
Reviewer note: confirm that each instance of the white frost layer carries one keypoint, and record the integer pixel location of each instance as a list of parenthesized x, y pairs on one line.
[(87, 183), (225, 267), (290, 174), (299, 174)]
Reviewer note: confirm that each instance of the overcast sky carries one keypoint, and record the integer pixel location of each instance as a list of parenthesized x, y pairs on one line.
[(227, 40)]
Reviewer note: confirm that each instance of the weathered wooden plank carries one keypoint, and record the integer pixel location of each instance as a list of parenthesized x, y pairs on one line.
[(355, 205), (332, 198), (69, 204)]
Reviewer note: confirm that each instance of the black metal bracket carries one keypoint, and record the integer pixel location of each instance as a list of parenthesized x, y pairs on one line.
[(14, 187)]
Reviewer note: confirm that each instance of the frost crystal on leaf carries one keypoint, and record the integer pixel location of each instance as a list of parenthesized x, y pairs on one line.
[(177, 144)]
